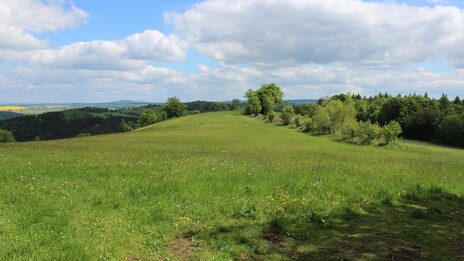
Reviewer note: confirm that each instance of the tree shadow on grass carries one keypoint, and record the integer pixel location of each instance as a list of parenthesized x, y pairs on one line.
[(420, 225), (425, 225)]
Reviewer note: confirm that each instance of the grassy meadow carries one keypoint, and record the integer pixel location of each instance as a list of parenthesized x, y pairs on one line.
[(223, 186)]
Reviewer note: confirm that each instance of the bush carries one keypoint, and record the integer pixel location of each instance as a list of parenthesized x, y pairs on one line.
[(124, 126), (82, 134), (307, 124), (148, 117), (366, 133), (163, 116), (391, 131), (320, 122), (287, 114), (362, 133), (271, 115), (298, 120), (6, 136)]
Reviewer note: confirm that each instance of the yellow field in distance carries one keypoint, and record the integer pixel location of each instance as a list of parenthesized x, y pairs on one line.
[(12, 108)]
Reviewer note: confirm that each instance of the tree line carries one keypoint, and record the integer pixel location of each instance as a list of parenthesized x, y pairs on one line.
[(93, 121), (366, 120)]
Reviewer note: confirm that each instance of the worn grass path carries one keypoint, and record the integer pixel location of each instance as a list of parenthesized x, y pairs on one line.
[(225, 186)]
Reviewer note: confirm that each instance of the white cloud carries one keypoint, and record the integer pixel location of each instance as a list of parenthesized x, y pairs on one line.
[(95, 55), (276, 32), (154, 45), (203, 68), (129, 53), (437, 1), (20, 18), (310, 48), (157, 83)]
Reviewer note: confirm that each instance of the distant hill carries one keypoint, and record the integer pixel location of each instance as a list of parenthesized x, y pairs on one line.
[(127, 102)]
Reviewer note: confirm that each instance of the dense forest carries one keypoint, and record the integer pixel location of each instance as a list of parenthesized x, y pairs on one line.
[(5, 115), (66, 124)]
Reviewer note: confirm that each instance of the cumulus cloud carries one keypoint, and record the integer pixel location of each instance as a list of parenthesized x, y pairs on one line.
[(95, 55), (131, 52), (224, 83), (203, 68), (19, 19), (154, 45), (310, 48), (263, 32)]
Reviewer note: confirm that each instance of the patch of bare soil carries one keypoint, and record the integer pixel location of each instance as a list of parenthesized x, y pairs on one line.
[(182, 247)]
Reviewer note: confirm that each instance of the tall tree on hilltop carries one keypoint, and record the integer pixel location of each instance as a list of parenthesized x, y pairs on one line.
[(253, 106), (174, 107), (269, 95)]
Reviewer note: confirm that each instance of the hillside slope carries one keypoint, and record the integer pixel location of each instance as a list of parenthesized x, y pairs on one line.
[(222, 185)]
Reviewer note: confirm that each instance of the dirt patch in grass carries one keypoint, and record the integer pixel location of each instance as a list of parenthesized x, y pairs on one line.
[(273, 238), (182, 247)]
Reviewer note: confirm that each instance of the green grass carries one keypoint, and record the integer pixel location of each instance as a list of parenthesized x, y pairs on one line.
[(225, 186)]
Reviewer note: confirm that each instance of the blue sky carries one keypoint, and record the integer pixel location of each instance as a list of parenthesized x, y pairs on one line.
[(97, 51), (112, 20)]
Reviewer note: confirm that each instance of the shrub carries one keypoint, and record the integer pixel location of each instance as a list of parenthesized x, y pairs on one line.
[(148, 117), (320, 122), (365, 133), (271, 115), (6, 136), (163, 116), (195, 112), (82, 134), (391, 131), (287, 114), (362, 133), (307, 124), (124, 126), (368, 132), (298, 120)]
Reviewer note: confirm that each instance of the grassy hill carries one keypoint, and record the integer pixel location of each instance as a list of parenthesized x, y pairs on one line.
[(222, 185)]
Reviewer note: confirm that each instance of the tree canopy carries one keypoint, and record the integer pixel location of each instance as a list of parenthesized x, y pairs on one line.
[(148, 117), (6, 136), (174, 108), (263, 100)]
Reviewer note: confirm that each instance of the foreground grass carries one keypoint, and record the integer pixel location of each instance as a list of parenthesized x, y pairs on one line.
[(225, 186)]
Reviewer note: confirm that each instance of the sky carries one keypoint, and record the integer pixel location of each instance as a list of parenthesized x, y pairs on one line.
[(60, 51)]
